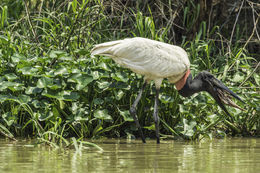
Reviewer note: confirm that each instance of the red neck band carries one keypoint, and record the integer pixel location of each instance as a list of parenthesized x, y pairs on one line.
[(179, 85)]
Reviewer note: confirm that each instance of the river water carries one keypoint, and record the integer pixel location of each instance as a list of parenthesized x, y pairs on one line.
[(235, 155)]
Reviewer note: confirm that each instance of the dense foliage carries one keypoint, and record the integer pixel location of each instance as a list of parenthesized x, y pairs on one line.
[(52, 89)]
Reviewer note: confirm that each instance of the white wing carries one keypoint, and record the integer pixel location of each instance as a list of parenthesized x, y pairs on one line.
[(150, 58)]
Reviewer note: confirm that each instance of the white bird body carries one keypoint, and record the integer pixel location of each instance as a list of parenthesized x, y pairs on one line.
[(153, 59), (156, 61)]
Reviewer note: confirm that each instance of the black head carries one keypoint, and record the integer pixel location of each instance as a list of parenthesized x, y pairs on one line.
[(205, 81)]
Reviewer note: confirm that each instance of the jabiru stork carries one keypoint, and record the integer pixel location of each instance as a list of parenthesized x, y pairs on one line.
[(157, 60)]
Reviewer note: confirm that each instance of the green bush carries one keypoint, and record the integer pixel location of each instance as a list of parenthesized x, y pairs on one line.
[(52, 89)]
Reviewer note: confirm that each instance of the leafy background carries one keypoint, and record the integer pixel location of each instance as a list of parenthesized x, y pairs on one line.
[(50, 87)]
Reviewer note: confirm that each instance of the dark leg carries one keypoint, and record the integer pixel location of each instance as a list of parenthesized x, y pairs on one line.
[(133, 111), (155, 115)]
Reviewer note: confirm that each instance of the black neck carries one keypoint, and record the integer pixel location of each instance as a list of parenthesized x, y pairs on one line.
[(192, 86)]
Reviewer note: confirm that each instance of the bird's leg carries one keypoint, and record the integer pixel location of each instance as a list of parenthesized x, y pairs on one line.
[(133, 111), (155, 115)]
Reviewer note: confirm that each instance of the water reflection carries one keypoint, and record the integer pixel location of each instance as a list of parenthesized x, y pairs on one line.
[(226, 155)]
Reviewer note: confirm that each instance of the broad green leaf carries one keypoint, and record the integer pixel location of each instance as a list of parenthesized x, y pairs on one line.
[(74, 77), (56, 83), (30, 71), (33, 90), (38, 104), (45, 116), (104, 66), (126, 115), (238, 77), (61, 71), (17, 58), (69, 96), (4, 98), (44, 82), (82, 51), (51, 94), (120, 76), (24, 98), (95, 75), (14, 86), (103, 84), (182, 109), (98, 101), (102, 114), (56, 53), (66, 58), (56, 113), (188, 127), (120, 85), (11, 76), (82, 80), (119, 94), (9, 118), (166, 99)]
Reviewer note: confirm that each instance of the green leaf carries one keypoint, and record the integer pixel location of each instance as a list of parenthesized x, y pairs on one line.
[(239, 77), (4, 98), (33, 90), (61, 71), (30, 71), (104, 66), (10, 76), (17, 58), (9, 118), (74, 77), (14, 86), (82, 80), (44, 82), (95, 75), (257, 78), (55, 85), (126, 115), (166, 99), (4, 39), (51, 94), (24, 98), (82, 51), (119, 94), (120, 76), (6, 131), (188, 127), (56, 53), (69, 96), (98, 101), (151, 127), (103, 84), (102, 114), (45, 116)]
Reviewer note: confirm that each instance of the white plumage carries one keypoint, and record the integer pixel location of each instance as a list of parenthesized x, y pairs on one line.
[(153, 59), (156, 61)]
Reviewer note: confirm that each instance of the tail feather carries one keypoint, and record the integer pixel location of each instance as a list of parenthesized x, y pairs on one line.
[(104, 48)]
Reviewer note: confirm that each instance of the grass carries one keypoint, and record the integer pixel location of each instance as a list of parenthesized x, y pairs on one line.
[(50, 87)]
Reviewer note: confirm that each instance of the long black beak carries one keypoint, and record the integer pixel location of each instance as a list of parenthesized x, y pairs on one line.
[(220, 92)]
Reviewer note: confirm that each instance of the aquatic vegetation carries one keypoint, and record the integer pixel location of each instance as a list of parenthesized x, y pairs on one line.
[(52, 89)]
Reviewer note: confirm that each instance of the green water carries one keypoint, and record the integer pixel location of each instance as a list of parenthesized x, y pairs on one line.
[(220, 155)]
